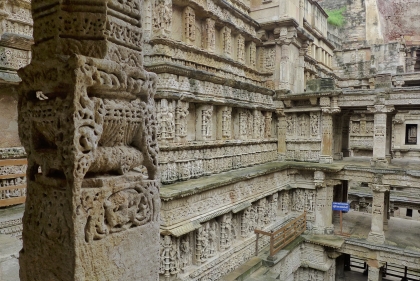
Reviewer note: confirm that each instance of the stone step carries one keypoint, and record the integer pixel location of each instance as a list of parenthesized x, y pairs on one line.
[(244, 271), (263, 274)]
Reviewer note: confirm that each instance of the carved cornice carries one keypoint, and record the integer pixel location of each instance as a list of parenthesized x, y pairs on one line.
[(206, 76), (190, 48), (379, 187), (380, 108)]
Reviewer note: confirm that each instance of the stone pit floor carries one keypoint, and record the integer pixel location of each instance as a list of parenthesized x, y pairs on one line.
[(399, 232)]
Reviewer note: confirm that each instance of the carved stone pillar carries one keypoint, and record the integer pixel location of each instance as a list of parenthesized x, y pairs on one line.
[(379, 137), (284, 74), (338, 137), (300, 72), (376, 234), (324, 197), (374, 271), (281, 134), (339, 268), (326, 155), (97, 117)]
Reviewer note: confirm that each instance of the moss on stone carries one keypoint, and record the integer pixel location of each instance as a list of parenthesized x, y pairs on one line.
[(335, 17)]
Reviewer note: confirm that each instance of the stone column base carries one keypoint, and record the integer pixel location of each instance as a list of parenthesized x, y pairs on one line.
[(377, 238), (281, 156), (374, 274), (323, 230), (377, 162), (325, 159)]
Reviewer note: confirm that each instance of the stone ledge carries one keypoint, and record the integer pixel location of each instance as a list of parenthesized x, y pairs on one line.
[(193, 186)]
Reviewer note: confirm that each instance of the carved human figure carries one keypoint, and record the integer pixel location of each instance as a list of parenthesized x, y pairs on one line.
[(314, 124), (226, 123), (212, 239), (185, 253), (207, 122), (165, 120), (209, 34), (303, 125), (162, 19), (252, 54), (241, 48), (181, 119), (289, 124)]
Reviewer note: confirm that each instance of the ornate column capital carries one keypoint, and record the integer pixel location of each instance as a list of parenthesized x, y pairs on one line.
[(379, 187), (381, 108)]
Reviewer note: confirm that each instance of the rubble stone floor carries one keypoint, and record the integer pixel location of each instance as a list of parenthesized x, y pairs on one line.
[(400, 232)]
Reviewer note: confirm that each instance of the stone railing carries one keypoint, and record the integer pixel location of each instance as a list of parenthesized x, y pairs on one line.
[(12, 182)]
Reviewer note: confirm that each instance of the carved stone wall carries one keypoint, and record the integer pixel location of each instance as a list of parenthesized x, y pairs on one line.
[(361, 134)]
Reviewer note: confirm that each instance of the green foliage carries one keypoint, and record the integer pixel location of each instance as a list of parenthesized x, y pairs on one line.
[(335, 17)]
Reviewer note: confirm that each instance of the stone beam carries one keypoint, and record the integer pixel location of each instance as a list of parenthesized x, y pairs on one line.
[(89, 215)]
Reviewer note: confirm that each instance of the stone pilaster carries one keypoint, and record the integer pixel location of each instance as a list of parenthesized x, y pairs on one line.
[(339, 270), (324, 197), (376, 235), (281, 134), (374, 271), (97, 117), (379, 137), (326, 155)]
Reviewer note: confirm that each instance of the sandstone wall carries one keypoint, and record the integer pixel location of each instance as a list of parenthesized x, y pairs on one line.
[(8, 121), (401, 18)]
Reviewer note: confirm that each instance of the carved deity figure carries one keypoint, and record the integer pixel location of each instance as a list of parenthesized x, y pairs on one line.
[(209, 35), (355, 127), (274, 207), (162, 19), (289, 124), (285, 203), (181, 119), (243, 123), (267, 125), (226, 123), (185, 252), (212, 239), (252, 54), (207, 122), (227, 40), (270, 58), (169, 257), (303, 125), (314, 124), (166, 120), (241, 49)]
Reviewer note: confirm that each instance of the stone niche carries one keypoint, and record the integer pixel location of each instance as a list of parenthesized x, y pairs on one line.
[(361, 135), (405, 134)]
